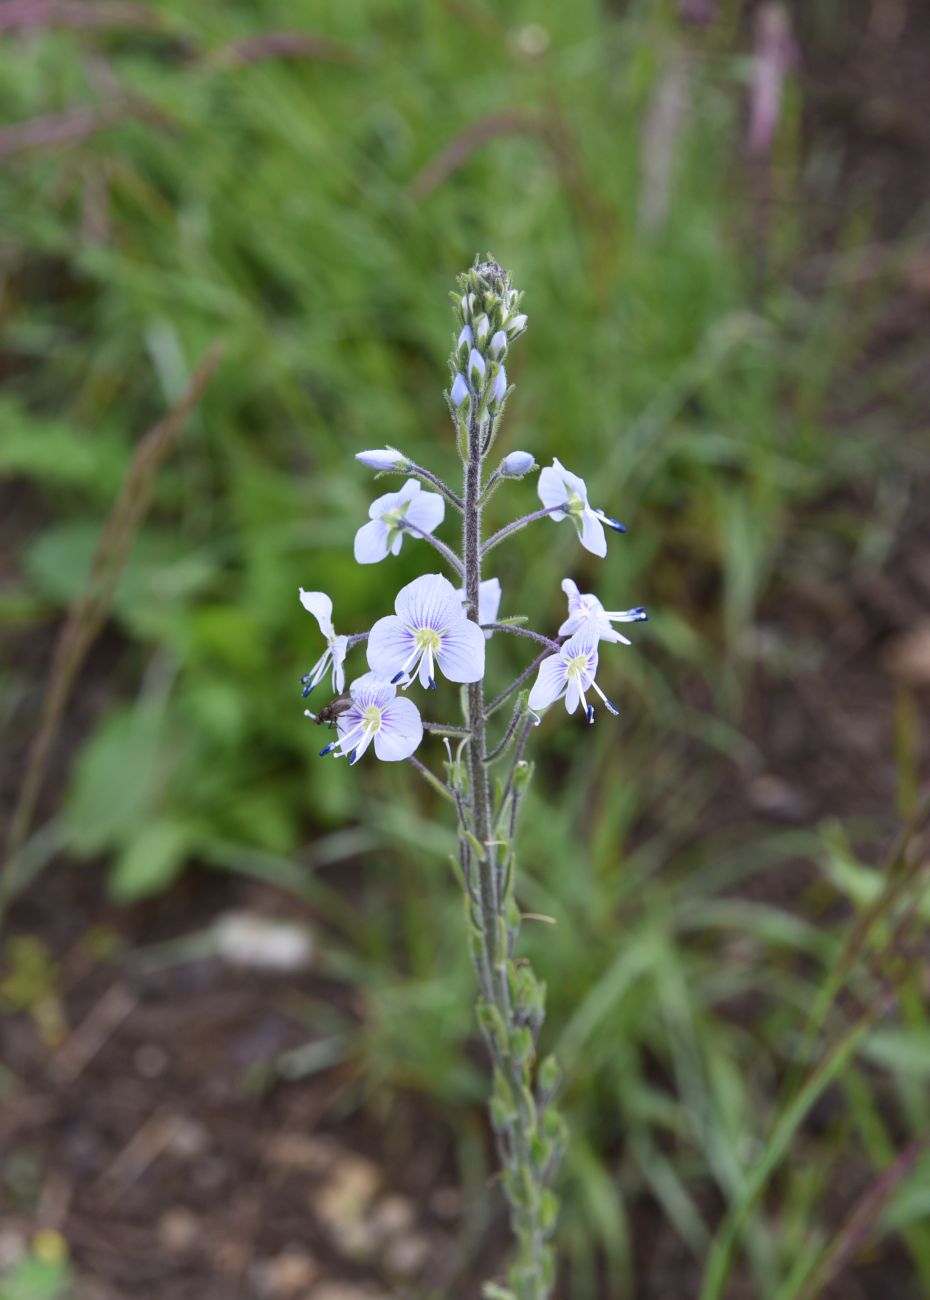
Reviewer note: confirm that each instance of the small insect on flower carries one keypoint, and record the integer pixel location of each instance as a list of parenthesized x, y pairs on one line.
[(330, 713), (321, 607), (558, 487), (375, 715), (429, 629), (390, 515), (569, 674), (584, 608)]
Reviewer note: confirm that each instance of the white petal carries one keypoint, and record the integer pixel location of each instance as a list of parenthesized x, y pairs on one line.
[(549, 684), (430, 601), (572, 695), (383, 505), (551, 491), (572, 482), (461, 656), (321, 607), (371, 542), (363, 743), (339, 648), (389, 647), (426, 511), (570, 587), (489, 600), (401, 731), (397, 542), (593, 537), (459, 390), (572, 623)]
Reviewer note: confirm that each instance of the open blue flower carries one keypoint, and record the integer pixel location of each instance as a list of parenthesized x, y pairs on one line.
[(429, 629), (584, 608), (389, 516), (376, 716), (558, 487), (569, 674)]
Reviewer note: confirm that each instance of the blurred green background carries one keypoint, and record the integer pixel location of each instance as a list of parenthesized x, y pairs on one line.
[(717, 343)]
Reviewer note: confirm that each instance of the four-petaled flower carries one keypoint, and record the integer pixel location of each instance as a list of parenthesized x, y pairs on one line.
[(430, 627), (559, 488), (489, 601), (390, 516), (570, 673), (376, 714), (585, 608), (321, 607)]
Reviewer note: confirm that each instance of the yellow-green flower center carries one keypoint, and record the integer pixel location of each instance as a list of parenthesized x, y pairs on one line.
[(427, 639), (372, 718), (575, 504), (577, 666)]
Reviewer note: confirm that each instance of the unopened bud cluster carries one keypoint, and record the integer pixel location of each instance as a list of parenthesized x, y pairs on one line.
[(488, 312)]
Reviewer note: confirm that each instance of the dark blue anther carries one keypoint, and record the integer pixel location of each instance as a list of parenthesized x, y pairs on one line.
[(398, 677), (307, 689), (590, 713), (432, 683), (328, 749)]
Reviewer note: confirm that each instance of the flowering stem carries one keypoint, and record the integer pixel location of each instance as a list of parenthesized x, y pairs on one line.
[(517, 630), (511, 1001), (505, 740), (446, 552), (355, 638), (419, 472), (516, 525)]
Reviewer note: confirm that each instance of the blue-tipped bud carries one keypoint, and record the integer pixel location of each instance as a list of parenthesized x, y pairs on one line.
[(389, 458), (476, 362), (500, 384), (459, 390), (517, 464), (498, 343)]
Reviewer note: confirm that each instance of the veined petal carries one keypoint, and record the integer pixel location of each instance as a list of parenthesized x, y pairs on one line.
[(552, 491), (370, 689), (426, 511), (397, 540), (401, 731), (429, 601), (364, 741), (371, 542), (390, 645), (550, 682), (393, 500), (592, 535), (572, 695), (339, 647), (321, 607), (461, 655)]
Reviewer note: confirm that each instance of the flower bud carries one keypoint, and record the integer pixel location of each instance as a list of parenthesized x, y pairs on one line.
[(482, 325), (476, 362), (459, 390), (517, 464), (466, 337), (389, 458), (516, 325), (500, 385), (498, 343)]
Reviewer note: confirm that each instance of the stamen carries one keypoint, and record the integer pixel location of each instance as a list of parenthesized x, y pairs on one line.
[(398, 677), (615, 524), (328, 749), (590, 713), (610, 706)]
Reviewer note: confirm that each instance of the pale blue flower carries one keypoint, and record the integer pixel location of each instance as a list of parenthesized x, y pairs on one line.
[(498, 343), (459, 390), (389, 515), (568, 674), (558, 487), (388, 458), (465, 337), (321, 607), (376, 716), (429, 628), (587, 608)]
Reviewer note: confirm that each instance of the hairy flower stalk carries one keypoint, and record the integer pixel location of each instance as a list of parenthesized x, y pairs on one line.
[(438, 631)]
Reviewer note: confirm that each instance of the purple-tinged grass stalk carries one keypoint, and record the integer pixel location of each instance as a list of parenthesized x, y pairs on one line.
[(439, 631)]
